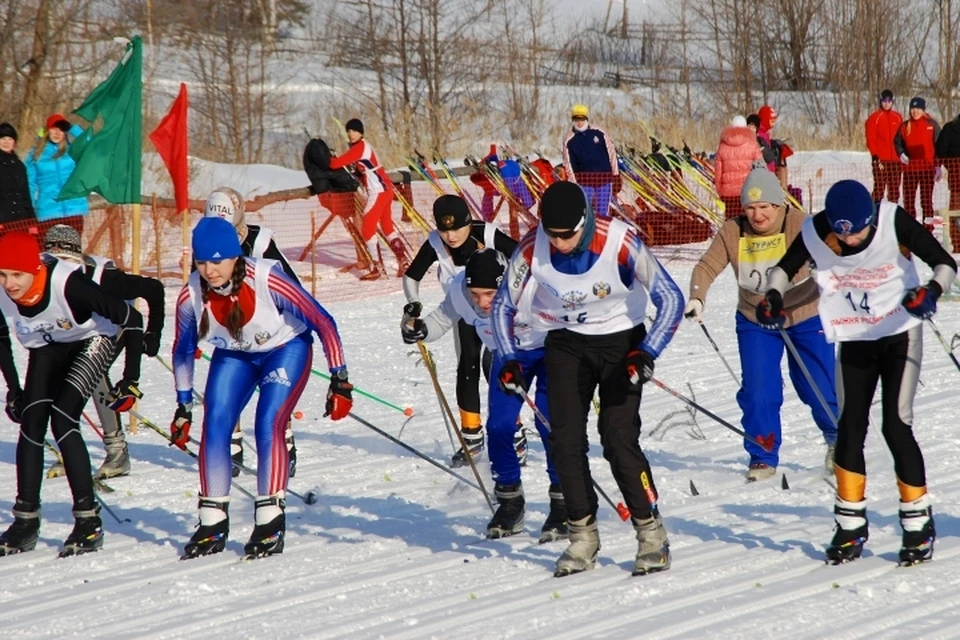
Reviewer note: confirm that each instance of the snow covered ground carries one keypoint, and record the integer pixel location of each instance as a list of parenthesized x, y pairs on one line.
[(395, 548)]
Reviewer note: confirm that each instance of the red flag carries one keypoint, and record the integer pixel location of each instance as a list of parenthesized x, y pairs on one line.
[(170, 139)]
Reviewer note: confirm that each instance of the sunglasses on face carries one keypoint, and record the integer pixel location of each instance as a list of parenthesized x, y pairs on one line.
[(566, 234)]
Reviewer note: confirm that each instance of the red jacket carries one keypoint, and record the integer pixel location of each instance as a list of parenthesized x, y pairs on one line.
[(364, 158), (735, 157), (881, 128), (918, 138)]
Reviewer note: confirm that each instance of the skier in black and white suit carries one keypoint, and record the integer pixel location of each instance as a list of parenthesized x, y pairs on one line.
[(68, 325), (872, 304), (63, 242)]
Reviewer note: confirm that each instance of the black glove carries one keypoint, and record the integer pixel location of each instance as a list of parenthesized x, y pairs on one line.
[(412, 309), (151, 344), (14, 408), (922, 301), (413, 331), (180, 425), (124, 395), (639, 366), (339, 396), (511, 378), (770, 313)]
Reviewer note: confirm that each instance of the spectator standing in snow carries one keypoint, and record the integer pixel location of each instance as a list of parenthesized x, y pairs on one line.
[(915, 143), (48, 168), (763, 139), (15, 201), (948, 153), (881, 128), (736, 154), (590, 160)]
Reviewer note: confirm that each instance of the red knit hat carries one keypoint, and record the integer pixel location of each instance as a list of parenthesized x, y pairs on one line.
[(767, 116), (54, 119), (19, 251)]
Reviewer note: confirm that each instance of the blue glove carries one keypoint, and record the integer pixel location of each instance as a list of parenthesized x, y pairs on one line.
[(770, 313), (922, 301)]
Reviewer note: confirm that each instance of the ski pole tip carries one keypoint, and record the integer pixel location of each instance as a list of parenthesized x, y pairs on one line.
[(623, 511)]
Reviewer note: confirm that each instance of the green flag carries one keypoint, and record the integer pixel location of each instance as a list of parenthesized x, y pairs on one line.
[(108, 152)]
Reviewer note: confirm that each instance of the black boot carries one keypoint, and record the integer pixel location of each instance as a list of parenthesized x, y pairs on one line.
[(508, 519), (917, 546), (22, 534), (87, 534), (267, 538), (555, 526), (847, 544), (473, 436), (209, 538)]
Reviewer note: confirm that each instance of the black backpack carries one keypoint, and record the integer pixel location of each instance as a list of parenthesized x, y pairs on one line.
[(316, 162)]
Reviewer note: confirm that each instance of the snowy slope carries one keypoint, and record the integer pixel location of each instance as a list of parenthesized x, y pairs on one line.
[(393, 549)]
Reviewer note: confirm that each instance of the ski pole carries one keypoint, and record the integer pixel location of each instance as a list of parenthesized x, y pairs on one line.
[(432, 370), (806, 373), (427, 358), (717, 349), (415, 452), (766, 443), (619, 507), (943, 342), (163, 434), (109, 510)]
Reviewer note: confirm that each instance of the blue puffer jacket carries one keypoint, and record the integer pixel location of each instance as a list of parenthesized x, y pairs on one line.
[(47, 176)]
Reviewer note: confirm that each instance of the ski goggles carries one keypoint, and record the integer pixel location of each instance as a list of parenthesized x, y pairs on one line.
[(566, 234)]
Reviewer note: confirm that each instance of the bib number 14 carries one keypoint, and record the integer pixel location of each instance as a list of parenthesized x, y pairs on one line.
[(863, 305)]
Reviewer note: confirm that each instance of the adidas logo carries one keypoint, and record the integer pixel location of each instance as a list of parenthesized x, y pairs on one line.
[(217, 255), (277, 376)]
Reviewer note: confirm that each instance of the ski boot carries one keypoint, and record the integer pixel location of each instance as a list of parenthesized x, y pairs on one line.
[(508, 520), (22, 534), (555, 526), (520, 445), (291, 450), (852, 531), (56, 470), (87, 534), (653, 552), (117, 462), (211, 535), (473, 437), (916, 518), (373, 274), (760, 471), (236, 453), (271, 525), (581, 555), (403, 262)]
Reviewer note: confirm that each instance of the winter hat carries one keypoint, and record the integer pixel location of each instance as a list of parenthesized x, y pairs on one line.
[(59, 121), (485, 269), (767, 115), (563, 206), (886, 94), (215, 239), (761, 185), (63, 240), (738, 121), (7, 131), (450, 212), (19, 252), (225, 203), (354, 124), (579, 111), (918, 103), (849, 207)]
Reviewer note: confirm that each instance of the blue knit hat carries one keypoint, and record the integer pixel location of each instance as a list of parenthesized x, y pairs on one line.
[(215, 239), (849, 207)]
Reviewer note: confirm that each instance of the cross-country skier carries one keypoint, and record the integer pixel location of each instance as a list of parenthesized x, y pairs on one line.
[(595, 278), (379, 206), (753, 243), (456, 239), (469, 299), (259, 322), (872, 304), (68, 325), (255, 242), (63, 242)]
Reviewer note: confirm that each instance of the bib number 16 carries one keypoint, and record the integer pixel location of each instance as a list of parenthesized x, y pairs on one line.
[(580, 318)]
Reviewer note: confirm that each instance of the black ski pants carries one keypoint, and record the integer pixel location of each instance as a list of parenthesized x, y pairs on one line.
[(60, 379), (468, 367), (895, 362), (578, 364)]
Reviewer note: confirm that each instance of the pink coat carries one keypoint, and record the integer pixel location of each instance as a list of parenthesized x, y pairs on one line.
[(736, 154)]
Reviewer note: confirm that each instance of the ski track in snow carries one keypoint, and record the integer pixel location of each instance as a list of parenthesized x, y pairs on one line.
[(395, 548)]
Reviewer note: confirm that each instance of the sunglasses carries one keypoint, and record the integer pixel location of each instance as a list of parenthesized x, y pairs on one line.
[(566, 234)]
